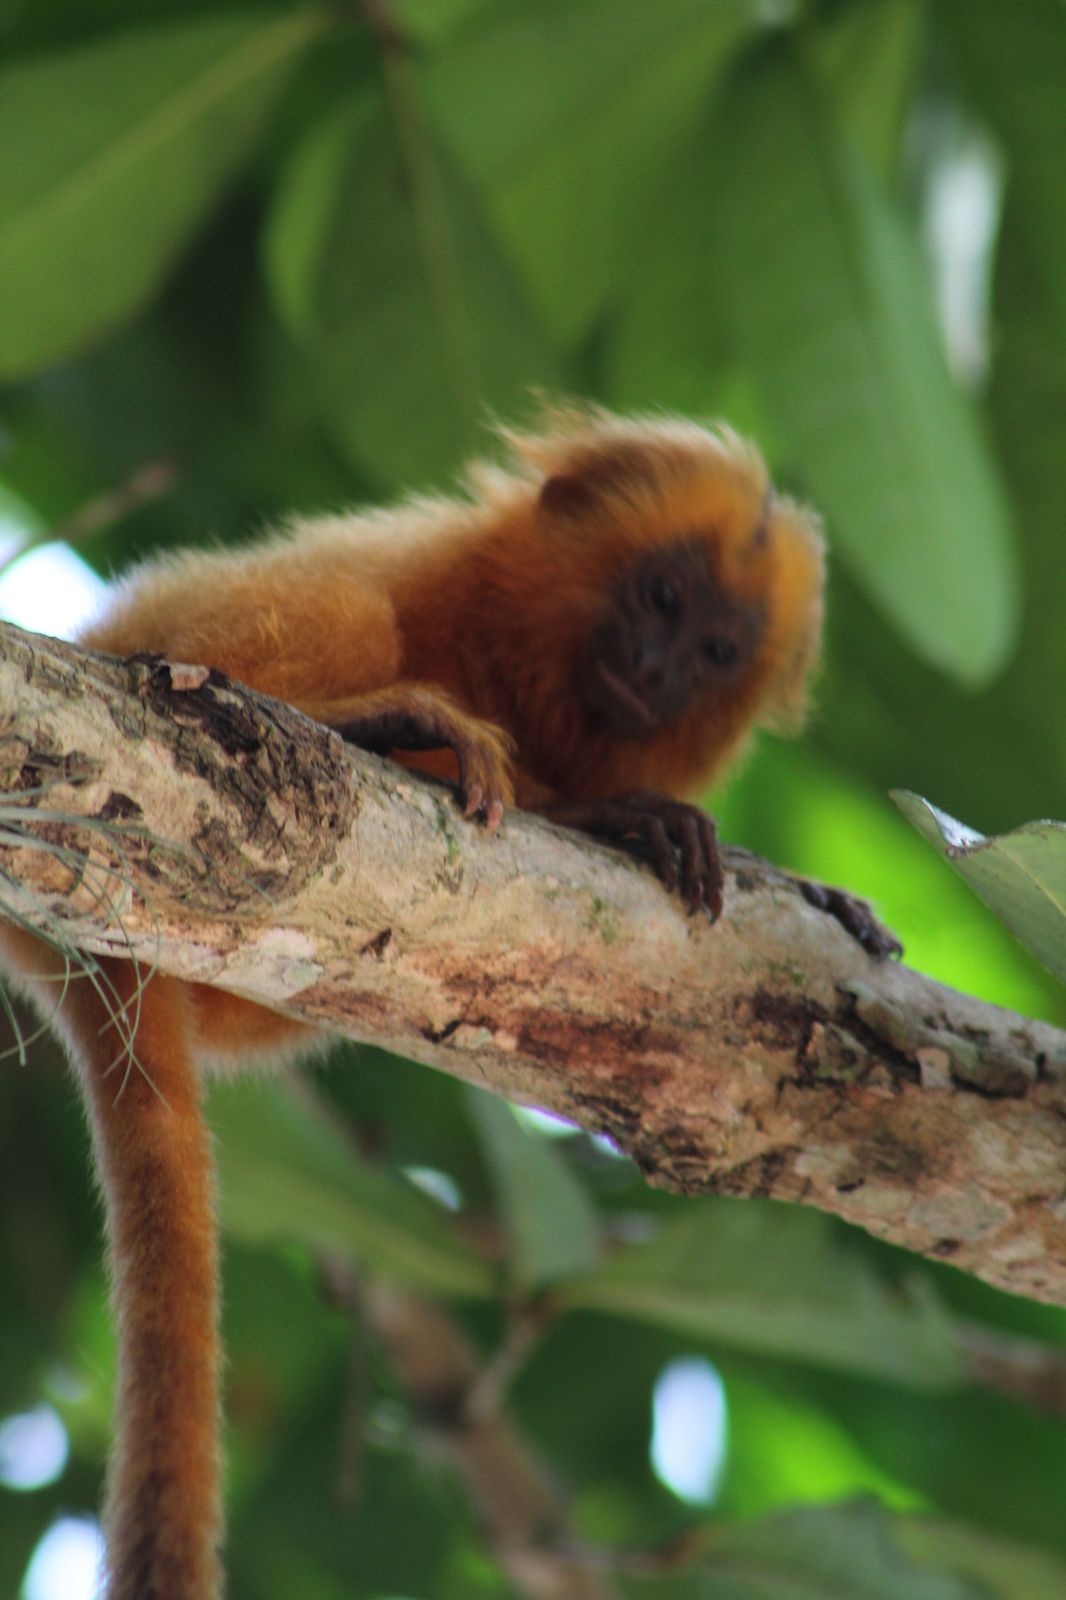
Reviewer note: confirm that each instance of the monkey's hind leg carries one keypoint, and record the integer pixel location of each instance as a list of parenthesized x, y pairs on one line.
[(153, 1156)]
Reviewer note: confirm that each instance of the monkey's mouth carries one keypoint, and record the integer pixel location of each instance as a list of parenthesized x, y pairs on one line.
[(629, 713)]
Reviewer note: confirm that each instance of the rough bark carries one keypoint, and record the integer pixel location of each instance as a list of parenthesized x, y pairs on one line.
[(246, 847)]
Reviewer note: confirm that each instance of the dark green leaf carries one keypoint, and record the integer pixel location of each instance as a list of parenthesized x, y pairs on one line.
[(1013, 1571), (844, 1552), (1014, 58)]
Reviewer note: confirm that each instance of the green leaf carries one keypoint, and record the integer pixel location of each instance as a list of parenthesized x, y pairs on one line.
[(868, 57), (552, 1224), (778, 1280), (1020, 875), (298, 235), (832, 309), (287, 1174), (670, 340), (573, 154), (576, 61), (122, 147), (434, 19), (383, 267), (846, 1552)]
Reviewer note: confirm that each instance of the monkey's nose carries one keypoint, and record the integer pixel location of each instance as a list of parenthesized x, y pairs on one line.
[(649, 668)]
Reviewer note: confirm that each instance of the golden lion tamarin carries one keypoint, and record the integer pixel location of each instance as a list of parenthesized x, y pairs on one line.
[(593, 631)]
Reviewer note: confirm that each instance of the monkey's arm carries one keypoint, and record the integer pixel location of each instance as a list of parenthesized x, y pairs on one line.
[(418, 717), (327, 643)]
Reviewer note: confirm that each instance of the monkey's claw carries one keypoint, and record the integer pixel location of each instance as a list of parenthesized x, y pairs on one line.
[(854, 916), (680, 839), (483, 783)]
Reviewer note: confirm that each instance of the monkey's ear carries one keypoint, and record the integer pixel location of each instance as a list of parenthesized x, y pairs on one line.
[(621, 473), (567, 497)]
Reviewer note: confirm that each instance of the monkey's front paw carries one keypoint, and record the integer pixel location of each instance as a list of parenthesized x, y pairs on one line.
[(419, 717), (680, 839), (483, 754), (855, 916)]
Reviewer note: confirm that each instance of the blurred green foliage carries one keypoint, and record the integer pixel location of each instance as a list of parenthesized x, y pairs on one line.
[(300, 257)]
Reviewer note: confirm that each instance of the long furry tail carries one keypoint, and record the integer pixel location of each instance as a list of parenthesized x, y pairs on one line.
[(130, 1037)]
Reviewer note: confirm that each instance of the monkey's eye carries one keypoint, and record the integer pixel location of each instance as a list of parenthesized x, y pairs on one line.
[(722, 651), (663, 597)]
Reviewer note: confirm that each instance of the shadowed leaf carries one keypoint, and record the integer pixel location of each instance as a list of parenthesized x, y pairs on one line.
[(811, 1300), (287, 1174)]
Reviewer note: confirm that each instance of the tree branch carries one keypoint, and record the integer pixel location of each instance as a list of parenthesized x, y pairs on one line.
[(520, 1508), (229, 840)]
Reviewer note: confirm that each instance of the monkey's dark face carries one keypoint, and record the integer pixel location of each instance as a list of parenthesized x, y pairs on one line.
[(670, 639)]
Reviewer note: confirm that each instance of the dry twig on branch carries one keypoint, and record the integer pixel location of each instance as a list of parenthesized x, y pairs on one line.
[(249, 848)]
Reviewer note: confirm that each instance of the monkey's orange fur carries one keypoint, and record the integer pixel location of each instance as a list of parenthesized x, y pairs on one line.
[(477, 609)]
